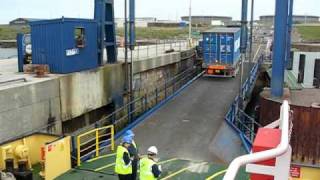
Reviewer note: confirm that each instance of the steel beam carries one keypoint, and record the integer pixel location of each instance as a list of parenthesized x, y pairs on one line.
[(279, 48), (104, 15), (244, 28), (132, 17)]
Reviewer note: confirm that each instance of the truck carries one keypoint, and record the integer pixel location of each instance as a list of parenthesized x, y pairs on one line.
[(221, 51)]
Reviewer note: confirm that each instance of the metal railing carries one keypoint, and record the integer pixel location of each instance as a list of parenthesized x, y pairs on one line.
[(279, 170), (94, 141), (158, 48), (123, 117), (238, 119)]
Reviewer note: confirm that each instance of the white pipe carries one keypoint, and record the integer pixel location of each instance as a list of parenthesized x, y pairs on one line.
[(264, 155)]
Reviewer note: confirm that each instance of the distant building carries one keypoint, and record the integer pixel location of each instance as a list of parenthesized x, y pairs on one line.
[(23, 21), (233, 23), (206, 20), (168, 24), (139, 22), (297, 19)]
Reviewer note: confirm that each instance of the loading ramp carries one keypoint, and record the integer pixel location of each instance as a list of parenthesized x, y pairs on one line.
[(186, 126), (188, 129), (173, 168)]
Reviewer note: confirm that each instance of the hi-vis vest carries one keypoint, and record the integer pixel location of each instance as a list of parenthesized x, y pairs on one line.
[(146, 169), (121, 167)]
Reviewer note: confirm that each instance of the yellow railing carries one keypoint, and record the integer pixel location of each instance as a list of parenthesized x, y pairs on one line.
[(94, 141)]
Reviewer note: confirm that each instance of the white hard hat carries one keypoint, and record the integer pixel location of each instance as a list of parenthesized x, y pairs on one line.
[(152, 150)]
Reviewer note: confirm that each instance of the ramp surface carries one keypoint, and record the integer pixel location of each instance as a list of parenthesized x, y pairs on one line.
[(186, 126)]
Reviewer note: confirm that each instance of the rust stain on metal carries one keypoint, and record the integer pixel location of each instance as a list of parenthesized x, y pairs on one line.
[(305, 139)]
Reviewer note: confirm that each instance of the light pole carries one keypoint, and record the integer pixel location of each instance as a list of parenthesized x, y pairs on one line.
[(190, 20), (251, 60)]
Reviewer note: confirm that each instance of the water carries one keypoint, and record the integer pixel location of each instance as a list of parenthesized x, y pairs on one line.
[(6, 53)]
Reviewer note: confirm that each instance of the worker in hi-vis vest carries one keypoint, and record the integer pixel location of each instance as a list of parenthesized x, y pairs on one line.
[(123, 166), (149, 170), (134, 153)]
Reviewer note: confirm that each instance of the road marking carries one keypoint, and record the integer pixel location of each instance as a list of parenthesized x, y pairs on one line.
[(179, 172), (176, 173), (112, 164), (105, 167), (170, 160), (216, 174), (100, 157)]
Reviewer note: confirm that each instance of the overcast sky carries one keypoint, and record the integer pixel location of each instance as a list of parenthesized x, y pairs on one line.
[(161, 9)]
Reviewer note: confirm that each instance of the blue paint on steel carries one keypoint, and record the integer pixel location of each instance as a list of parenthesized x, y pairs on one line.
[(98, 16), (104, 15), (289, 32), (231, 116), (132, 24), (222, 45), (279, 48), (244, 27), (247, 146), (52, 39), (21, 51)]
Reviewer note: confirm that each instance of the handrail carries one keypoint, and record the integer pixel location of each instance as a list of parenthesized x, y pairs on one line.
[(264, 155), (233, 113), (96, 142)]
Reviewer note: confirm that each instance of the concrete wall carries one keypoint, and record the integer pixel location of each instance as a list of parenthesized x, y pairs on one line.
[(153, 63), (34, 105), (89, 90), (29, 107), (146, 82)]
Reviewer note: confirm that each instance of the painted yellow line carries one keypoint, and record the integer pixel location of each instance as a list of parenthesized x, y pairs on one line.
[(112, 164), (105, 167), (167, 161), (100, 157), (176, 173), (217, 174)]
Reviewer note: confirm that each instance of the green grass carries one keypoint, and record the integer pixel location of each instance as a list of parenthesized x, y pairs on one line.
[(309, 33), (158, 33), (10, 32)]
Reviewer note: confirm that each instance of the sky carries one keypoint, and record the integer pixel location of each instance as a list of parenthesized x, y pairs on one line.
[(161, 9)]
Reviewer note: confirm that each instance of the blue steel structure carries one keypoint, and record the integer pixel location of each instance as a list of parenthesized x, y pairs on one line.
[(236, 118), (132, 39), (104, 15), (280, 47), (56, 43), (244, 28)]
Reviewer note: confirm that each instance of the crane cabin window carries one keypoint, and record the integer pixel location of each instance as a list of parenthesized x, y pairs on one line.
[(79, 35)]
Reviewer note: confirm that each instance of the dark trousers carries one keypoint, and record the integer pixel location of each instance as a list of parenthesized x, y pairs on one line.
[(125, 177), (134, 169)]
